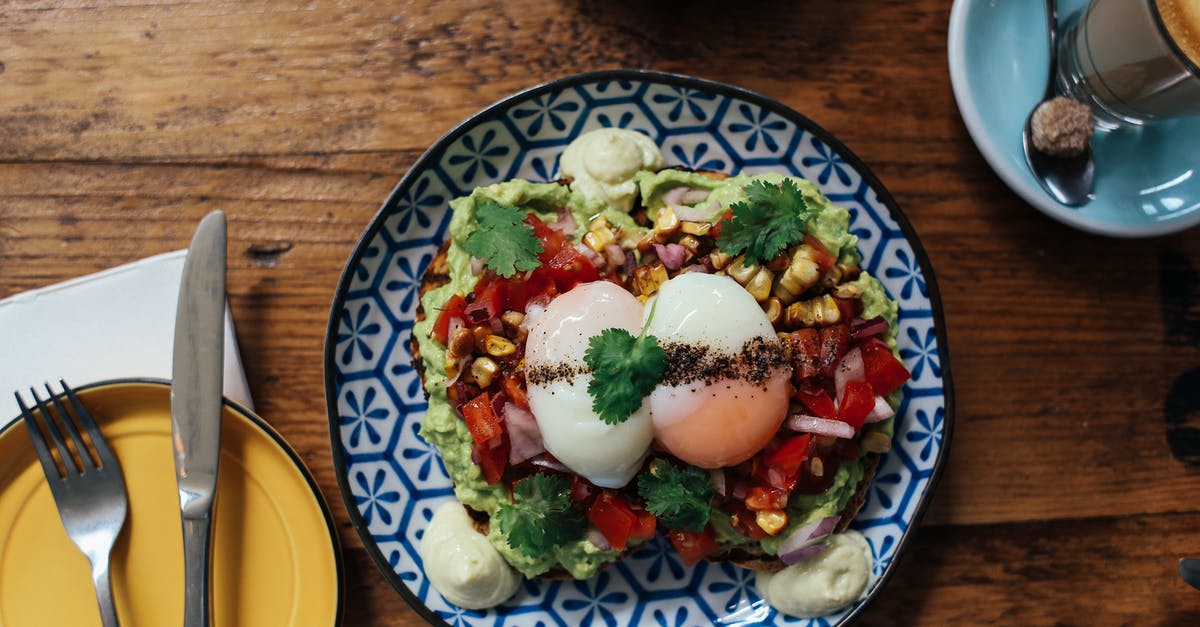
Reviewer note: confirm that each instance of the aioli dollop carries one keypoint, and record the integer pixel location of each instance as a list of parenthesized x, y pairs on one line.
[(462, 565), (601, 164), (822, 584)]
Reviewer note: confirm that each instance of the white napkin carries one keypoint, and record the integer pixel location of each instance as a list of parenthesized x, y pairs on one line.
[(117, 323)]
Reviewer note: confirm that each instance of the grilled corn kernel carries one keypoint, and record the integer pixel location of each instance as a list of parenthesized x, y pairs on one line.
[(741, 271), (801, 274), (771, 521), (816, 467), (876, 442), (849, 272), (599, 234), (774, 309), (461, 344), (815, 312), (452, 367), (691, 243), (719, 259), (695, 228), (648, 278), (511, 320), (481, 335), (760, 285), (483, 370), (847, 290), (780, 262), (499, 346), (666, 224), (647, 241)]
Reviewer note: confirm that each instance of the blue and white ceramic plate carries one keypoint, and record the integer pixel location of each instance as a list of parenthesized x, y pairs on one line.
[(1147, 179), (392, 481)]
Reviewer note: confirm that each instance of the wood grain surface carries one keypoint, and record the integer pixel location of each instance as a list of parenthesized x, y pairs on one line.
[(1073, 486)]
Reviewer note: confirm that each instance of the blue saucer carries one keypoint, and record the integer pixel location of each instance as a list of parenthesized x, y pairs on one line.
[(1147, 179)]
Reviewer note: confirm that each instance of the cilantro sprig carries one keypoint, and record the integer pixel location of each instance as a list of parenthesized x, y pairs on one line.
[(680, 497), (771, 218), (502, 239), (541, 517), (624, 370)]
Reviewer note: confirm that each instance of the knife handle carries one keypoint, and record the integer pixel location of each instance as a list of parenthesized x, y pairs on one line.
[(197, 534)]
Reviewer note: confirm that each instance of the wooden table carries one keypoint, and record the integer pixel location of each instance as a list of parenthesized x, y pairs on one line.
[(1074, 480)]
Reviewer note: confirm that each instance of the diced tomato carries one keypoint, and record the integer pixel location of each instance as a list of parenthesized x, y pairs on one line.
[(452, 309), (515, 390), (492, 457), (692, 546), (883, 371), (759, 499), (481, 419), (858, 400), (570, 268), (715, 231), (821, 255), (552, 240), (788, 457), (806, 353), (613, 518), (835, 343), (848, 308), (817, 402), (644, 528), (489, 300)]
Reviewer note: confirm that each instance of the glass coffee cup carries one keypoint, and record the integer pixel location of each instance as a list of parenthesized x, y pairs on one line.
[(1133, 61)]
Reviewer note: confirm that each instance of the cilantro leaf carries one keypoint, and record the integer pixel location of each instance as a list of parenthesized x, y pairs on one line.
[(624, 370), (771, 218), (502, 239), (681, 498), (541, 517)]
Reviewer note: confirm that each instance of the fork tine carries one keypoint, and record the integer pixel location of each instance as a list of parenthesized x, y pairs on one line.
[(99, 443), (39, 440), (81, 447), (64, 453)]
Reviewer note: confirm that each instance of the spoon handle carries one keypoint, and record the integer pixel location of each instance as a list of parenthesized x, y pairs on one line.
[(1051, 7)]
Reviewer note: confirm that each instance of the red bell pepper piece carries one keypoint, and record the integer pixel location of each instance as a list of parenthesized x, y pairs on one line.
[(452, 309), (481, 419), (692, 546), (857, 401)]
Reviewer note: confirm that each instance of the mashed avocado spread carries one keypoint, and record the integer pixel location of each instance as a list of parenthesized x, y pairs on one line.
[(449, 433)]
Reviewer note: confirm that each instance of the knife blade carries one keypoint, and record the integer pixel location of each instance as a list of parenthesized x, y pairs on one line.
[(1189, 569), (197, 368)]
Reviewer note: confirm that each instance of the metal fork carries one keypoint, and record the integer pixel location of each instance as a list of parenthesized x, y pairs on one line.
[(89, 489)]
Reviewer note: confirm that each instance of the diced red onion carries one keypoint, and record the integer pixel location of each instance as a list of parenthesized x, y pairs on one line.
[(672, 255), (684, 195), (881, 411), (695, 267), (565, 223), (477, 266), (739, 490), (630, 264), (545, 461), (456, 323), (820, 426), (597, 538), (850, 368), (463, 363), (799, 544), (496, 325), (592, 256), (615, 255), (803, 553), (717, 475), (524, 436), (860, 329)]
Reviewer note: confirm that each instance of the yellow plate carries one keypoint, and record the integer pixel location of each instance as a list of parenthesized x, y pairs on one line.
[(275, 560)]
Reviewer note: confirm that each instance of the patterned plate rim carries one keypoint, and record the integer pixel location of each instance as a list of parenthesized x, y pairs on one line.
[(435, 152)]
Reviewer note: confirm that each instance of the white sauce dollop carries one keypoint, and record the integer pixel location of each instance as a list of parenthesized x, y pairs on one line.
[(823, 584), (601, 164), (461, 563)]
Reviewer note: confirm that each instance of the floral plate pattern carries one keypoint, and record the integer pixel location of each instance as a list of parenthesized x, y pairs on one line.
[(392, 481)]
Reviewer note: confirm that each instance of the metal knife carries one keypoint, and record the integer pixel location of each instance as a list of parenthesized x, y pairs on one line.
[(197, 371), (1189, 569)]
